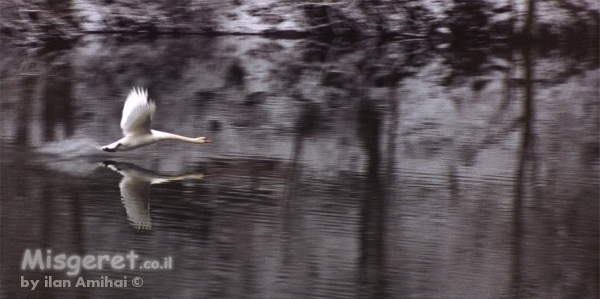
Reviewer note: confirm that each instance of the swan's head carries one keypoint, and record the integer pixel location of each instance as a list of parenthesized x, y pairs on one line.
[(202, 140)]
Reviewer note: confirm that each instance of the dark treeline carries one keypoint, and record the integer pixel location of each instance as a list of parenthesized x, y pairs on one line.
[(471, 22)]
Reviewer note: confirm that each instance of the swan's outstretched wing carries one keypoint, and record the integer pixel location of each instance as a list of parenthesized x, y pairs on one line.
[(137, 113), (134, 194)]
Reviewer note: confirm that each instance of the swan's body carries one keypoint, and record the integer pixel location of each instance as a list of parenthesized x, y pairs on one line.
[(136, 121), (134, 190)]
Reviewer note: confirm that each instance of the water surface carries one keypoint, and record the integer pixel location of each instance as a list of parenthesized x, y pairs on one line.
[(337, 170)]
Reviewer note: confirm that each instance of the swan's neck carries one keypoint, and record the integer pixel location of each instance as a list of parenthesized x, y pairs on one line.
[(166, 179), (164, 136)]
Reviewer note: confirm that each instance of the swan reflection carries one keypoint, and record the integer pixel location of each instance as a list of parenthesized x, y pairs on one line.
[(135, 186)]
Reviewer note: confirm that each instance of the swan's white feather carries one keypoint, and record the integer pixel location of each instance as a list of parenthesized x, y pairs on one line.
[(134, 195), (135, 123), (137, 113)]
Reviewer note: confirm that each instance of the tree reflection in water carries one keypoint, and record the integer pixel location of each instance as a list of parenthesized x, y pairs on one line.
[(368, 169)]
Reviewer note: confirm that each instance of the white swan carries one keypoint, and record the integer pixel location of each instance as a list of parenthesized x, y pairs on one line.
[(135, 123), (134, 190)]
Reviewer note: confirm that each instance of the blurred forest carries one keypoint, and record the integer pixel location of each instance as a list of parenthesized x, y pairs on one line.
[(422, 149), (39, 23)]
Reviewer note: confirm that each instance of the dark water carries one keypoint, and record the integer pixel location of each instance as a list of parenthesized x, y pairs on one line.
[(337, 170)]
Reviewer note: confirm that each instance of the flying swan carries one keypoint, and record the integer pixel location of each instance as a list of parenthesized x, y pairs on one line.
[(135, 123)]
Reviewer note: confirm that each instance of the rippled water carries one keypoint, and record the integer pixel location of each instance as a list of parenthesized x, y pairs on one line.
[(337, 170)]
